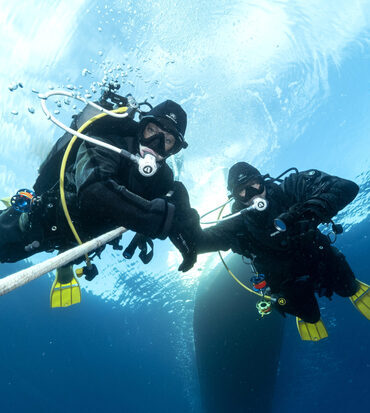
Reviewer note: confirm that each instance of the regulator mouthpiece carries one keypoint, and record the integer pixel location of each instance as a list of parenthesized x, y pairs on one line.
[(148, 165), (259, 204)]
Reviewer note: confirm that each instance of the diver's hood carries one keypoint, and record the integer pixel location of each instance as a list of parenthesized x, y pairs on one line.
[(170, 117), (239, 174)]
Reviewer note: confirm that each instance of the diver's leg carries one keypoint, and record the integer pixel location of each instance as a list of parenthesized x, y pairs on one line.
[(343, 279), (300, 300)]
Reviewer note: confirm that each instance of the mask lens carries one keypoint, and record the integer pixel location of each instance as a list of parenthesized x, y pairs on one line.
[(249, 189), (176, 147), (178, 141)]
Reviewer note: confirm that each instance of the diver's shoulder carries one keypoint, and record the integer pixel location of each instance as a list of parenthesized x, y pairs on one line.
[(109, 126)]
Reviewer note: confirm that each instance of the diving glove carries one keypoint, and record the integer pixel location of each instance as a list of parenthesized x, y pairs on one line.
[(183, 235), (187, 249), (300, 225)]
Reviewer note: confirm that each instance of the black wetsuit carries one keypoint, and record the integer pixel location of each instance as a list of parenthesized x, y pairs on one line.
[(103, 191), (295, 264)]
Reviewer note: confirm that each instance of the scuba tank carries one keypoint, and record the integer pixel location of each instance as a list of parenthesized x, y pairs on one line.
[(49, 170)]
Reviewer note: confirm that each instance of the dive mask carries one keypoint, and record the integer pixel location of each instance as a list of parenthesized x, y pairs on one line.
[(245, 191), (157, 142)]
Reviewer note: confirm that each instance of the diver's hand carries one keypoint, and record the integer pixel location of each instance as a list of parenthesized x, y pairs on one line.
[(187, 249), (300, 225), (303, 233), (183, 235)]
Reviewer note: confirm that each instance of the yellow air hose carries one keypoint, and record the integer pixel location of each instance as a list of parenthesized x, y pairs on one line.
[(122, 109), (267, 297)]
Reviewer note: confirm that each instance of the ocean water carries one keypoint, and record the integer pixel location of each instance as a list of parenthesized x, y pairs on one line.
[(276, 83)]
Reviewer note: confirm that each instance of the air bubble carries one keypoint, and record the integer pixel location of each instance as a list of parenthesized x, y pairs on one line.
[(13, 86)]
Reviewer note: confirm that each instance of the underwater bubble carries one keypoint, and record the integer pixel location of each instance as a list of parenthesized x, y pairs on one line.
[(88, 95), (67, 101), (51, 87), (31, 109), (70, 87), (14, 112), (13, 86), (74, 107), (100, 53), (35, 90), (85, 72), (99, 29), (20, 84), (56, 112)]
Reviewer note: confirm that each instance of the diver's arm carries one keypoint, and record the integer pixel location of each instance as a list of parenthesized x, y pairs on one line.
[(220, 237), (101, 196), (322, 194)]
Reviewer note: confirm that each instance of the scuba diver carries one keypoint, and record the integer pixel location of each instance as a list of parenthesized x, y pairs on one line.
[(292, 258), (103, 190)]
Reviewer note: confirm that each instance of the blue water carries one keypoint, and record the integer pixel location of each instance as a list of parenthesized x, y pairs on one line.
[(271, 82)]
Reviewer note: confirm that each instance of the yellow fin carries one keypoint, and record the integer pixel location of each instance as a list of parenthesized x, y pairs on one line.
[(311, 332), (64, 295), (361, 300)]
